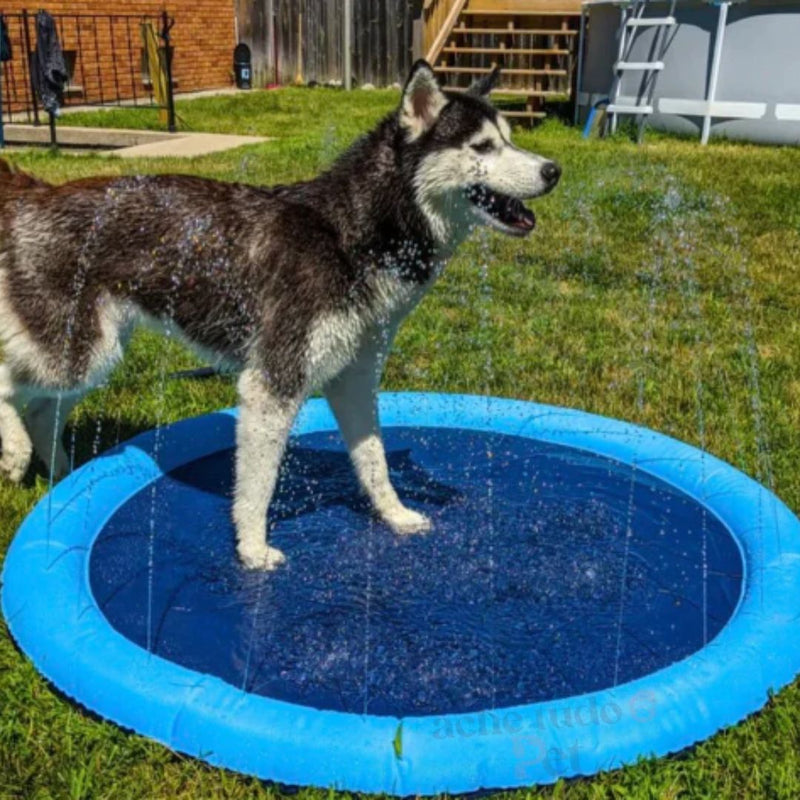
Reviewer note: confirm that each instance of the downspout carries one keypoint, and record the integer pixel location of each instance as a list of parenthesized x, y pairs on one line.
[(346, 44), (579, 79)]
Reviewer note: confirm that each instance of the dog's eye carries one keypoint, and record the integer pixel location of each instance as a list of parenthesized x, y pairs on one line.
[(486, 146)]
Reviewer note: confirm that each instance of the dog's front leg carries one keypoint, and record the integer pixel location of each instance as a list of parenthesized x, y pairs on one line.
[(261, 433), (353, 397), (16, 443)]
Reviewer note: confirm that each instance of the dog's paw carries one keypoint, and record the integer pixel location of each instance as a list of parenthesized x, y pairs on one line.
[(263, 557), (406, 521), (14, 469)]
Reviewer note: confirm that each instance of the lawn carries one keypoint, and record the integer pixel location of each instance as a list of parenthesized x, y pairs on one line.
[(662, 286)]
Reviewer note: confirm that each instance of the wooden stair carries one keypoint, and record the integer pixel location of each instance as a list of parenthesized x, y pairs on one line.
[(534, 41)]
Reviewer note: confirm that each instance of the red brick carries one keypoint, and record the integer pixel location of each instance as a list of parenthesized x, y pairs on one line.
[(203, 38)]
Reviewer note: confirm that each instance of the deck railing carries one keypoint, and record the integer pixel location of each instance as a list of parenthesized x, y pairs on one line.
[(438, 17)]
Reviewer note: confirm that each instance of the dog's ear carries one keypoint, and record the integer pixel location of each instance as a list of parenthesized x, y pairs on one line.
[(423, 100), (483, 86)]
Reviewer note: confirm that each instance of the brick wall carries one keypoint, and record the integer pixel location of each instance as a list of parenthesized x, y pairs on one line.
[(105, 51)]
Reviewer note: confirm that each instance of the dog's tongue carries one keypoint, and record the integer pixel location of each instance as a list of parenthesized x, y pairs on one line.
[(504, 208), (525, 219), (514, 213)]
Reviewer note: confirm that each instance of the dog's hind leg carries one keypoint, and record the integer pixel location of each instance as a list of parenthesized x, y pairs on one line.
[(46, 418), (261, 434), (353, 397), (16, 444)]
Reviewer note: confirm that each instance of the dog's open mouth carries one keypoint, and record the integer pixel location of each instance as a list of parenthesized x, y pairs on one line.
[(502, 211)]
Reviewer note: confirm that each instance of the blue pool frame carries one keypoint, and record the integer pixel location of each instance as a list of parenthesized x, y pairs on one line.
[(51, 613)]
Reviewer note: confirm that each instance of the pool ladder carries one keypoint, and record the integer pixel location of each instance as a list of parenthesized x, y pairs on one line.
[(632, 20)]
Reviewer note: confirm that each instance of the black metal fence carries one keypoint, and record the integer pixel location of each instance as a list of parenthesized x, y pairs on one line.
[(106, 60)]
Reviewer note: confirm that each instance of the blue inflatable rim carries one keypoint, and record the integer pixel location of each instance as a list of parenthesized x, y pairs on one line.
[(51, 613)]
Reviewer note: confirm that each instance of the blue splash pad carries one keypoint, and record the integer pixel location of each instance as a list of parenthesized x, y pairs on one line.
[(550, 572), (591, 592)]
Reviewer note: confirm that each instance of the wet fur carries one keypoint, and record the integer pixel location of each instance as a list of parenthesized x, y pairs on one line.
[(295, 288)]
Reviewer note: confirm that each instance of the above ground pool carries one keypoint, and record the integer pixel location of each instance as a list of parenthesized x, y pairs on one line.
[(590, 593), (730, 68)]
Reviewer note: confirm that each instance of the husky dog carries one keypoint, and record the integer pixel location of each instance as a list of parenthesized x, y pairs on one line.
[(295, 288)]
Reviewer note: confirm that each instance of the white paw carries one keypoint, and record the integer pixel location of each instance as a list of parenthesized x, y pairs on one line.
[(14, 467), (261, 557), (404, 521)]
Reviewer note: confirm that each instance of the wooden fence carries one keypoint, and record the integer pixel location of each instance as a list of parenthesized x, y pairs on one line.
[(302, 39)]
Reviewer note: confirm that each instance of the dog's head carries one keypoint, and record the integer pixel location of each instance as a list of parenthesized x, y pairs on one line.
[(466, 162)]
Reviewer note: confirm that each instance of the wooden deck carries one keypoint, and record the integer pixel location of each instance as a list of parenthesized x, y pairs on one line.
[(525, 6), (534, 41)]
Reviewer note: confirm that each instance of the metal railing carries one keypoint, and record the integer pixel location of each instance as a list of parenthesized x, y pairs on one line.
[(105, 57)]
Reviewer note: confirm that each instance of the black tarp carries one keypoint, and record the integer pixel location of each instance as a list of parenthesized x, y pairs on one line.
[(5, 41), (5, 55), (49, 70)]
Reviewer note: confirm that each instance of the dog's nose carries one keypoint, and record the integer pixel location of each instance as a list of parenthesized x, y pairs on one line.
[(551, 172)]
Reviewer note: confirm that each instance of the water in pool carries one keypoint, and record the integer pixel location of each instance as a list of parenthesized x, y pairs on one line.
[(549, 572)]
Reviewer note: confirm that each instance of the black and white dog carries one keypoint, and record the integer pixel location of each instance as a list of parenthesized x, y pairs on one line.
[(296, 288)]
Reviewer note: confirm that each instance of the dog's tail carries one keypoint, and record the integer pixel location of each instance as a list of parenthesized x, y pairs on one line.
[(16, 179)]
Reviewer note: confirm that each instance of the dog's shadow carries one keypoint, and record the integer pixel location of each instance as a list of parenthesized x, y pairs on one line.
[(314, 478), (314, 475)]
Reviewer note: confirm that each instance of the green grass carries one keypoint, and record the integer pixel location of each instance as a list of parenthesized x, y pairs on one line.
[(662, 286)]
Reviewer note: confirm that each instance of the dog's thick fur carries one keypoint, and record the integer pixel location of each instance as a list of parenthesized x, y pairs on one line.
[(295, 287)]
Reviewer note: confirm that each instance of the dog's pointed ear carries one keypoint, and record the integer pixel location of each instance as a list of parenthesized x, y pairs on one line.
[(423, 100), (483, 86)]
